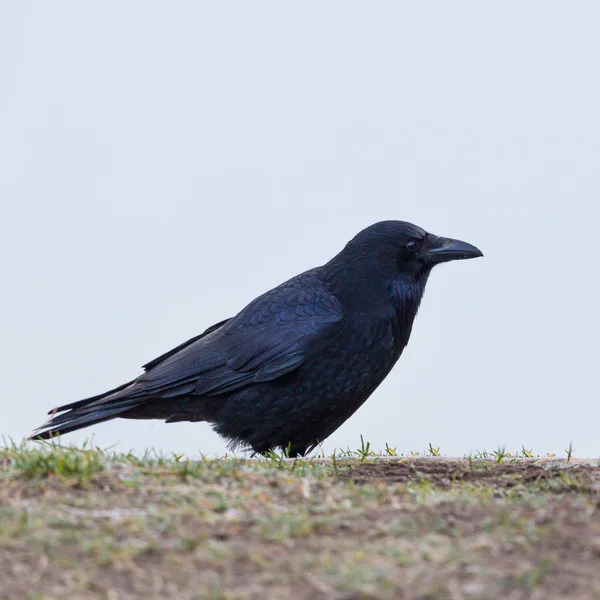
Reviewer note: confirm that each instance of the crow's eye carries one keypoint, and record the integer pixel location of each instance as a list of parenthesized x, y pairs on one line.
[(413, 245)]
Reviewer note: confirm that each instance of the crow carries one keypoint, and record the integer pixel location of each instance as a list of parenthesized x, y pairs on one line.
[(295, 363)]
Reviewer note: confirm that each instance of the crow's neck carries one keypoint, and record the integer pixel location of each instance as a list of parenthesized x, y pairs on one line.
[(379, 302), (362, 286), (356, 284)]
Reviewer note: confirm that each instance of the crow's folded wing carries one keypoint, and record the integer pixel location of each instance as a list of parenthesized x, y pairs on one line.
[(269, 338)]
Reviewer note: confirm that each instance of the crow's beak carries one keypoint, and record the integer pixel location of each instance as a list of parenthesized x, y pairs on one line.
[(446, 249)]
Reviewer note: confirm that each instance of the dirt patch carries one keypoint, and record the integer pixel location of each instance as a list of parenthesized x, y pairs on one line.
[(579, 477)]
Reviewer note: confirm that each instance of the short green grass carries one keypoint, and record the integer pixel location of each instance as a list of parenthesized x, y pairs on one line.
[(84, 522)]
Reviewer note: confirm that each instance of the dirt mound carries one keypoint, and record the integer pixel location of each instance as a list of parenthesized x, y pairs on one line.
[(580, 477)]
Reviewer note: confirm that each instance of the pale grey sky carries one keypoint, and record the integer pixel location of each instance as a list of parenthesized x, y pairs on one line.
[(164, 163)]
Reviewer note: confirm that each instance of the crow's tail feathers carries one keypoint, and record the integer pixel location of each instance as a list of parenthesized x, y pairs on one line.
[(66, 423), (83, 413)]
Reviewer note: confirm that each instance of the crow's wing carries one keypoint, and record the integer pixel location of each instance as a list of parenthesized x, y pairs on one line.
[(269, 338)]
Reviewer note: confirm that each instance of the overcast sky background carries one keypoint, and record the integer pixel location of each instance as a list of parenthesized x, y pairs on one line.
[(163, 163)]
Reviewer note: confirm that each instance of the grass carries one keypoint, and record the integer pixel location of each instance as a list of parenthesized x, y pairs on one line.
[(91, 523)]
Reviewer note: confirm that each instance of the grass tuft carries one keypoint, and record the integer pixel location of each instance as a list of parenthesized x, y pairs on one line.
[(45, 459)]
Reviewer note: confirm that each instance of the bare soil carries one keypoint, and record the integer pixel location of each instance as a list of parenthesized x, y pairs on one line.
[(423, 528)]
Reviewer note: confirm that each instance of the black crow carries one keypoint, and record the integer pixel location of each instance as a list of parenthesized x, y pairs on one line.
[(294, 364)]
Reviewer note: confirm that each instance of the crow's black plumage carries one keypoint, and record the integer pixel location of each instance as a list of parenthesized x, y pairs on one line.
[(299, 360)]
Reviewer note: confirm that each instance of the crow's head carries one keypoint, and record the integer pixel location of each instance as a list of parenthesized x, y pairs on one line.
[(395, 252)]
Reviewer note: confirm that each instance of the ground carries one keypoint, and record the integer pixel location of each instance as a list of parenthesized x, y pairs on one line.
[(82, 523)]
